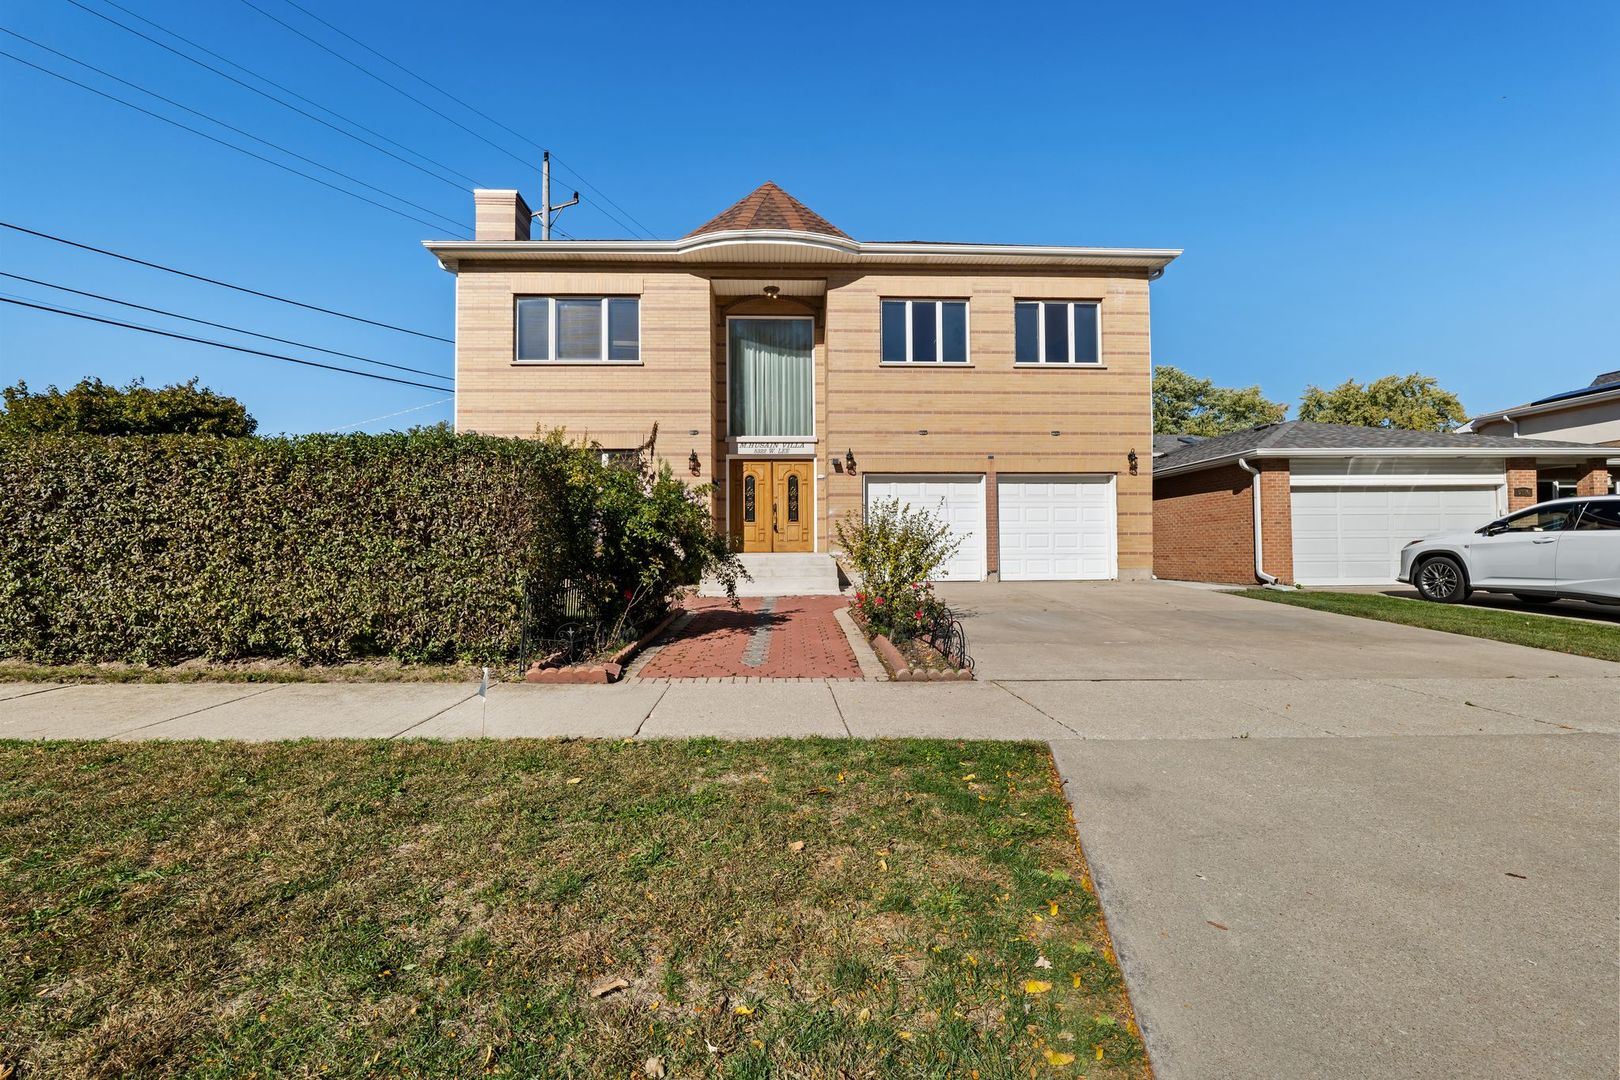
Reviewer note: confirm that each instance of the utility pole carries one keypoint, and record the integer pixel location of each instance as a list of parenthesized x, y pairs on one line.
[(546, 209)]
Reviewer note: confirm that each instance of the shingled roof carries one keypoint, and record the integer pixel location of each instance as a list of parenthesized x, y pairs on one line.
[(1277, 439), (769, 207)]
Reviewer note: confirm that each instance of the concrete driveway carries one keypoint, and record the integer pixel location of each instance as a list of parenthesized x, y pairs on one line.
[(1326, 846), (1156, 630)]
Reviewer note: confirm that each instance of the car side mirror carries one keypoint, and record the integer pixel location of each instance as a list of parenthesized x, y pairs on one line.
[(1492, 529)]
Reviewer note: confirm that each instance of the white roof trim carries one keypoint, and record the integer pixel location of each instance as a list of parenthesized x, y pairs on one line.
[(816, 247), (1579, 453)]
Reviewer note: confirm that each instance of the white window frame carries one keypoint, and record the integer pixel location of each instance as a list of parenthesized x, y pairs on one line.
[(603, 305), (939, 331), (1040, 335)]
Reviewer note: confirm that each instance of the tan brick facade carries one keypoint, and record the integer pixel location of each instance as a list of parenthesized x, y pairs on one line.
[(983, 417), (1203, 524)]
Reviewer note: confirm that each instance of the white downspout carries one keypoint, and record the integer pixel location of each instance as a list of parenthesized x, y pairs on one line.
[(1506, 419), (1269, 580)]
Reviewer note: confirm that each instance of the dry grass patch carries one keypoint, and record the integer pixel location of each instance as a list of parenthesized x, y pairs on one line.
[(789, 908)]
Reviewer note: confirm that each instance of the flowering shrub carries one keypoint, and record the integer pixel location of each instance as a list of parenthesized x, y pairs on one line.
[(903, 613), (895, 550)]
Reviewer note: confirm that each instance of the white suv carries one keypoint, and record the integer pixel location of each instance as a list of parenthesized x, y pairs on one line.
[(1566, 548)]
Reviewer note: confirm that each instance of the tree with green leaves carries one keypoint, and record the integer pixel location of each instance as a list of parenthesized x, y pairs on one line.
[(1184, 405), (94, 408), (1409, 402)]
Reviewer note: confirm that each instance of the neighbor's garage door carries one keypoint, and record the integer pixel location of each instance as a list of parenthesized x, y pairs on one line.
[(1354, 535), (1056, 527), (959, 500)]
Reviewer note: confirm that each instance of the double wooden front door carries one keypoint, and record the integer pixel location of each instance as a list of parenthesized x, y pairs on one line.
[(774, 505)]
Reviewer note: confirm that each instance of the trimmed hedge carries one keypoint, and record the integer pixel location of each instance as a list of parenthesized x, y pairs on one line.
[(415, 546)]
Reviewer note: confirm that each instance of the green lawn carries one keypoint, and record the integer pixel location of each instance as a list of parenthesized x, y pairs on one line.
[(820, 909), (1538, 631)]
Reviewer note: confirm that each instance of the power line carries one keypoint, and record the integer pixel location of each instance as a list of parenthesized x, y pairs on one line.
[(232, 127), (226, 284), (470, 108), (214, 139), (385, 82), (270, 96), (209, 341), (390, 416), (220, 326), (649, 233)]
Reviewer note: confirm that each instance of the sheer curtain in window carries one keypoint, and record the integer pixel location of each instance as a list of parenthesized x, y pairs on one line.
[(772, 377)]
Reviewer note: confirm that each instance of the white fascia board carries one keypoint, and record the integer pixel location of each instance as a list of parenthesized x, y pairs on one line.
[(451, 251), (1577, 453)]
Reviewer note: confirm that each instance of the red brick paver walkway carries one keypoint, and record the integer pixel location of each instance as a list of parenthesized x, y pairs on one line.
[(780, 637)]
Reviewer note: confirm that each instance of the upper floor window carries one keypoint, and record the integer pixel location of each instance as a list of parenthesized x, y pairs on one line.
[(579, 329), (925, 332), (1057, 332)]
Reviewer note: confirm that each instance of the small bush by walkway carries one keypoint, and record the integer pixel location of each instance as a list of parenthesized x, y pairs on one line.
[(1537, 631), (559, 909)]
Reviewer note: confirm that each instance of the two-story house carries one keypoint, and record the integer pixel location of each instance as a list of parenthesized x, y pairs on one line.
[(805, 374)]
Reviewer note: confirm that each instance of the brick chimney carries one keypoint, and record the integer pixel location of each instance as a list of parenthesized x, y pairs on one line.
[(500, 215)]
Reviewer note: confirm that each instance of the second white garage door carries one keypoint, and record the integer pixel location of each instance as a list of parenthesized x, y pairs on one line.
[(1056, 528), (1354, 535), (958, 499)]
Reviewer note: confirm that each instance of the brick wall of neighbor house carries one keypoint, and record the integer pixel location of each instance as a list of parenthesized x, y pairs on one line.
[(988, 406), (1521, 474), (1594, 479), (1203, 525)]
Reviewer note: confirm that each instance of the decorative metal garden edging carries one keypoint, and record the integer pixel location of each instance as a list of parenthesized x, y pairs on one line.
[(948, 638)]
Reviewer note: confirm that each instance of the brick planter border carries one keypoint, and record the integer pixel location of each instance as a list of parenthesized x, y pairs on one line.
[(609, 670), (904, 672)]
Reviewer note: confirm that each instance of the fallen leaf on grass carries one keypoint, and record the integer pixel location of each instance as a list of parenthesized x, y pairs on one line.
[(743, 1010), (1099, 1053), (1036, 986), (1042, 962), (797, 845), (1054, 1057), (971, 776), (608, 986), (654, 1069), (575, 779)]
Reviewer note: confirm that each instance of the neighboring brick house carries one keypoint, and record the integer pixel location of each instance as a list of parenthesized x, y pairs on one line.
[(1337, 502), (1590, 414), (805, 374)]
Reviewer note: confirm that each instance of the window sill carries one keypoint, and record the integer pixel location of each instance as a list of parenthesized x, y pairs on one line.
[(1060, 367), (951, 364), (579, 363)]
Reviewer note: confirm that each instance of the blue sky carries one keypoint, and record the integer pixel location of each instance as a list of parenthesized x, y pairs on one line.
[(1360, 190)]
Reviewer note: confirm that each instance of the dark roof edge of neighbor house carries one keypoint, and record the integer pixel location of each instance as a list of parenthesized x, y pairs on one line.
[(1302, 438), (1605, 386)]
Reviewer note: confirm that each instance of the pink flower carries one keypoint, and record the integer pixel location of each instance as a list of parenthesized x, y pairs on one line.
[(878, 601)]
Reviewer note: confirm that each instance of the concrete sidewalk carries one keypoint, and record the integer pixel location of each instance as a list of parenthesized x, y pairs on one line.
[(1010, 709), (1303, 878)]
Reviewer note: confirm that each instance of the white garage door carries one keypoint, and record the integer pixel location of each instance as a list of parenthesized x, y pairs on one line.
[(959, 500), (1354, 535), (1056, 527)]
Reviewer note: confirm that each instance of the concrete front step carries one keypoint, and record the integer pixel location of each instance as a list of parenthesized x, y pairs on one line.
[(783, 574)]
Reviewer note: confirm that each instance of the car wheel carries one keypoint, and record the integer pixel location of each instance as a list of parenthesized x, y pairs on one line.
[(1533, 599), (1441, 579)]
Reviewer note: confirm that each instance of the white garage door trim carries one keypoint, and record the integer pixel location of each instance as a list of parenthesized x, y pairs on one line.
[(958, 497), (1057, 527), (1352, 534)]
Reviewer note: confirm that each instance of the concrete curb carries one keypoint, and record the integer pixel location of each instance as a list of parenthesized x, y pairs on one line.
[(872, 668), (610, 670), (904, 672)]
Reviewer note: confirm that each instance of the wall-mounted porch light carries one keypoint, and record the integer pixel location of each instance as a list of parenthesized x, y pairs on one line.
[(694, 464), (849, 461), (1131, 457), (772, 292)]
